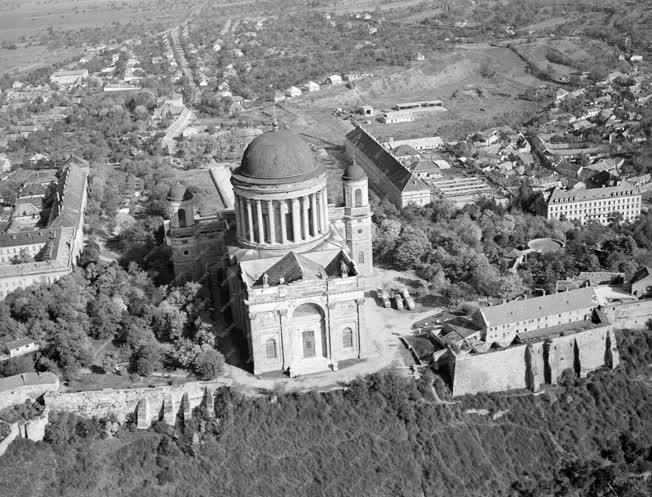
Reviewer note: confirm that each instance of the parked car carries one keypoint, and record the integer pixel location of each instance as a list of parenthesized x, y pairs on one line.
[(383, 298), (398, 301), (409, 301)]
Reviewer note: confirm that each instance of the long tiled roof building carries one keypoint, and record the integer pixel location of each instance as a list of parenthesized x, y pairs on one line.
[(387, 175), (52, 251)]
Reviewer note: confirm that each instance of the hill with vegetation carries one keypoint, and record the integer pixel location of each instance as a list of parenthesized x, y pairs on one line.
[(381, 436)]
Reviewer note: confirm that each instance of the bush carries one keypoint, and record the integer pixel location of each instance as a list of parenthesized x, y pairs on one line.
[(208, 364)]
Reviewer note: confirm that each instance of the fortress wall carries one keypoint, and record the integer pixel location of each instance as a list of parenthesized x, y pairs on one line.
[(6, 442), (21, 394), (34, 429), (630, 314), (535, 365), (561, 356), (122, 403), (490, 372), (592, 347)]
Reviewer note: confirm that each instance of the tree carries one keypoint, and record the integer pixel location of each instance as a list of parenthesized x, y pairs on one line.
[(208, 364), (22, 257), (147, 359)]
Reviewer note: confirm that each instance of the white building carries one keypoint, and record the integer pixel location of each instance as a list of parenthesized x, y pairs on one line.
[(596, 204)]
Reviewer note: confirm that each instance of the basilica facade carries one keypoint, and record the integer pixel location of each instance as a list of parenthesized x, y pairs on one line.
[(293, 264)]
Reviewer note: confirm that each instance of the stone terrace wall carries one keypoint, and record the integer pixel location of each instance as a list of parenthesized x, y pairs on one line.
[(123, 403)]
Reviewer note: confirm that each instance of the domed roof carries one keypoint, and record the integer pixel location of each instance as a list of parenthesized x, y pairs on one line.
[(278, 155), (179, 192), (354, 173)]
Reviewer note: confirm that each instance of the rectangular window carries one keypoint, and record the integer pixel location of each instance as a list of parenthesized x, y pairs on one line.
[(309, 343)]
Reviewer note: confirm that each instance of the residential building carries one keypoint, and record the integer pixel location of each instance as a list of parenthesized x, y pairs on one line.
[(426, 143), (69, 78), (641, 283), (58, 245), (393, 117), (596, 204), (334, 80), (293, 91), (311, 86)]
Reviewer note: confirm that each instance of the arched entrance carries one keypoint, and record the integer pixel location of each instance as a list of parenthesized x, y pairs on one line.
[(310, 331)]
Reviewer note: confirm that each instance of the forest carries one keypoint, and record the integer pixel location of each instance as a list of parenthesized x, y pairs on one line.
[(380, 436), (461, 252)]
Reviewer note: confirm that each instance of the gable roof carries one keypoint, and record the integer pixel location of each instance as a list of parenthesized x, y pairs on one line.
[(593, 193), (387, 164), (643, 272), (293, 267), (404, 150), (523, 310)]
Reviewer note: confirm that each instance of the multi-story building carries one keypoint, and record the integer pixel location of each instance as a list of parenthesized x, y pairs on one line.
[(288, 265), (596, 204), (56, 247)]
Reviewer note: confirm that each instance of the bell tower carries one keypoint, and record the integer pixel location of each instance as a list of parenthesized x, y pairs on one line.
[(357, 217), (180, 207)]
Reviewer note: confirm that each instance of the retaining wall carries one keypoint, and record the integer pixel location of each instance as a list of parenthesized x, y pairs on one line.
[(155, 401), (531, 365)]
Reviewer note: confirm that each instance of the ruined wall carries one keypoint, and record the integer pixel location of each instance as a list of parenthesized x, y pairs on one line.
[(33, 429), (157, 402), (17, 389), (7, 441)]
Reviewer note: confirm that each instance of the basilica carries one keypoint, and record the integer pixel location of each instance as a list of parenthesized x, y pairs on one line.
[(288, 264)]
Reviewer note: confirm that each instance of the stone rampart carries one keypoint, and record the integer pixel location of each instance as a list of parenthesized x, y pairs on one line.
[(490, 372), (630, 314), (535, 363), (18, 388), (155, 403), (33, 429)]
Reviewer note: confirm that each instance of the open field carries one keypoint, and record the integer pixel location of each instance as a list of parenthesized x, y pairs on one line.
[(473, 100), (40, 31)]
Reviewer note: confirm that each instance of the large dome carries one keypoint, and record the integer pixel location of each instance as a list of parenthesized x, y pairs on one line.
[(278, 156)]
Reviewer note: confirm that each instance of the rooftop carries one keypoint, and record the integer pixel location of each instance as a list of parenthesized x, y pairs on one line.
[(278, 157), (624, 189), (523, 310)]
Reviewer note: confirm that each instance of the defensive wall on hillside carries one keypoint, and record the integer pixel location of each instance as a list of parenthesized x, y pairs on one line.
[(32, 429), (18, 388), (146, 404), (533, 364)]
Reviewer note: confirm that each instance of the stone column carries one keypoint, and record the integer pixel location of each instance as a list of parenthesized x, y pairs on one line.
[(241, 221), (270, 217), (296, 220), (324, 210), (306, 223), (236, 208), (250, 221), (313, 207), (284, 229), (261, 226)]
